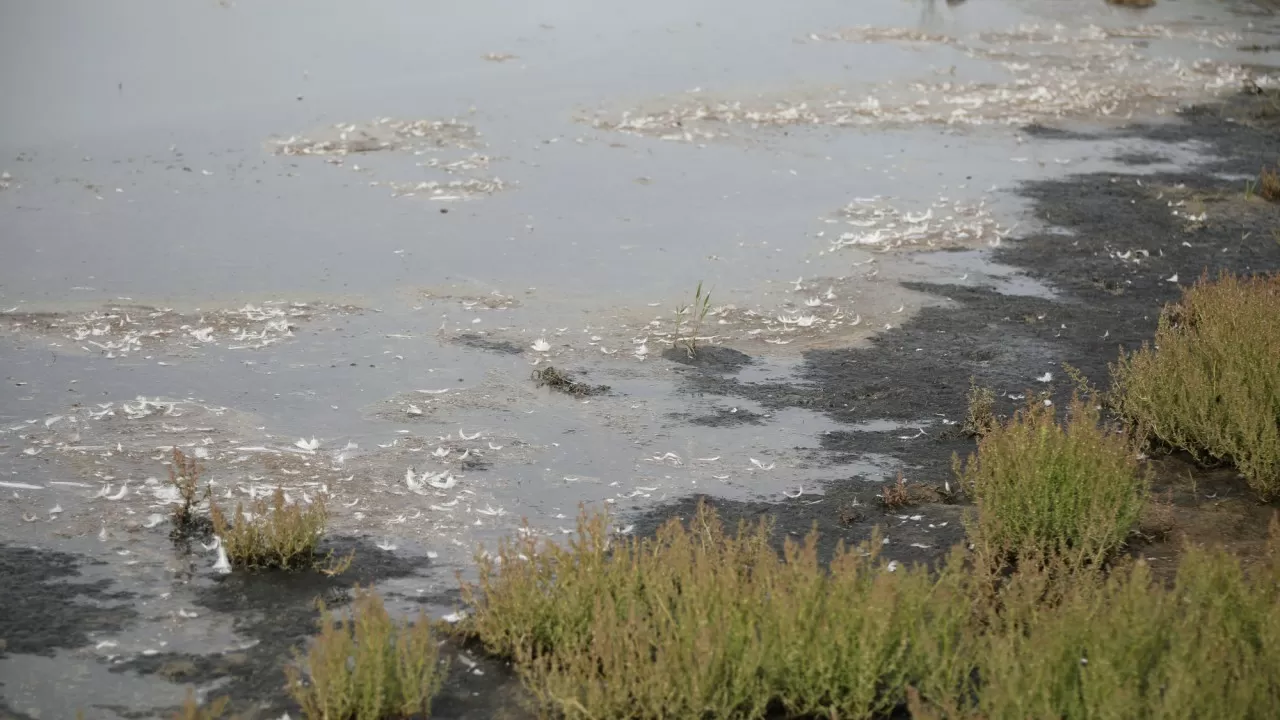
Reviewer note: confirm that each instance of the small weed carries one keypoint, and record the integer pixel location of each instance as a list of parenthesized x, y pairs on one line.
[(1073, 491), (1132, 3), (367, 666), (184, 474), (276, 534), (896, 495), (689, 319), (556, 380), (1210, 381), (981, 416)]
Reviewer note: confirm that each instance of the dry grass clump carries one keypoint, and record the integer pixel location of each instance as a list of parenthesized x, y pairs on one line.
[(981, 415), (697, 622), (1210, 382), (1269, 184), (184, 474), (276, 534), (1070, 491), (367, 666)]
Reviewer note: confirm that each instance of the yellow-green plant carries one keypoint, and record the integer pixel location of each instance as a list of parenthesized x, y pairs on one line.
[(1210, 381), (367, 666), (276, 533), (1073, 490), (1063, 642), (699, 622)]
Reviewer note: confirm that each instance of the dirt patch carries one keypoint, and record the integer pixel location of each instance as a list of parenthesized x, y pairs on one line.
[(1109, 300)]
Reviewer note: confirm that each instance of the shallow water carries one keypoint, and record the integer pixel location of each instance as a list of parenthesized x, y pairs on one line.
[(144, 170)]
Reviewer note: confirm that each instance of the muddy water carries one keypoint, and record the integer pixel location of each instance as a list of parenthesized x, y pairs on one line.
[(239, 227)]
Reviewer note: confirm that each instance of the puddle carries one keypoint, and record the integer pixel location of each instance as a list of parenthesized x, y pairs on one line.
[(332, 262)]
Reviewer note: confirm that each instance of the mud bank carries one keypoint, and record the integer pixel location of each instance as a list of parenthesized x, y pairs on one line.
[(1115, 247)]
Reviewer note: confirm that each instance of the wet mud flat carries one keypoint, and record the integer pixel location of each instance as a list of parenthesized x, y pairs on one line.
[(1114, 246)]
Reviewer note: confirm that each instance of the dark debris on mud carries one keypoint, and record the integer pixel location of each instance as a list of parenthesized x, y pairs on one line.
[(552, 378)]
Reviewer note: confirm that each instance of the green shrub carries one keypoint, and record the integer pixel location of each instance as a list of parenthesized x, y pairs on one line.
[(1043, 489), (1064, 643), (1210, 382), (367, 666), (276, 534), (698, 622)]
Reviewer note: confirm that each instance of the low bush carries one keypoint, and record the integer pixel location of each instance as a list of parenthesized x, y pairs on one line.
[(697, 622), (1071, 491), (276, 534), (1210, 381), (366, 666)]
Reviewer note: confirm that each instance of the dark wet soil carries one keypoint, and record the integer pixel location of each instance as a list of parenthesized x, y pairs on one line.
[(709, 357), (480, 342), (922, 369), (44, 608)]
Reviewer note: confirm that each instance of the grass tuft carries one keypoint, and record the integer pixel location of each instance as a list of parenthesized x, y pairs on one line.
[(1210, 381), (276, 534), (1040, 488), (366, 666), (689, 320)]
